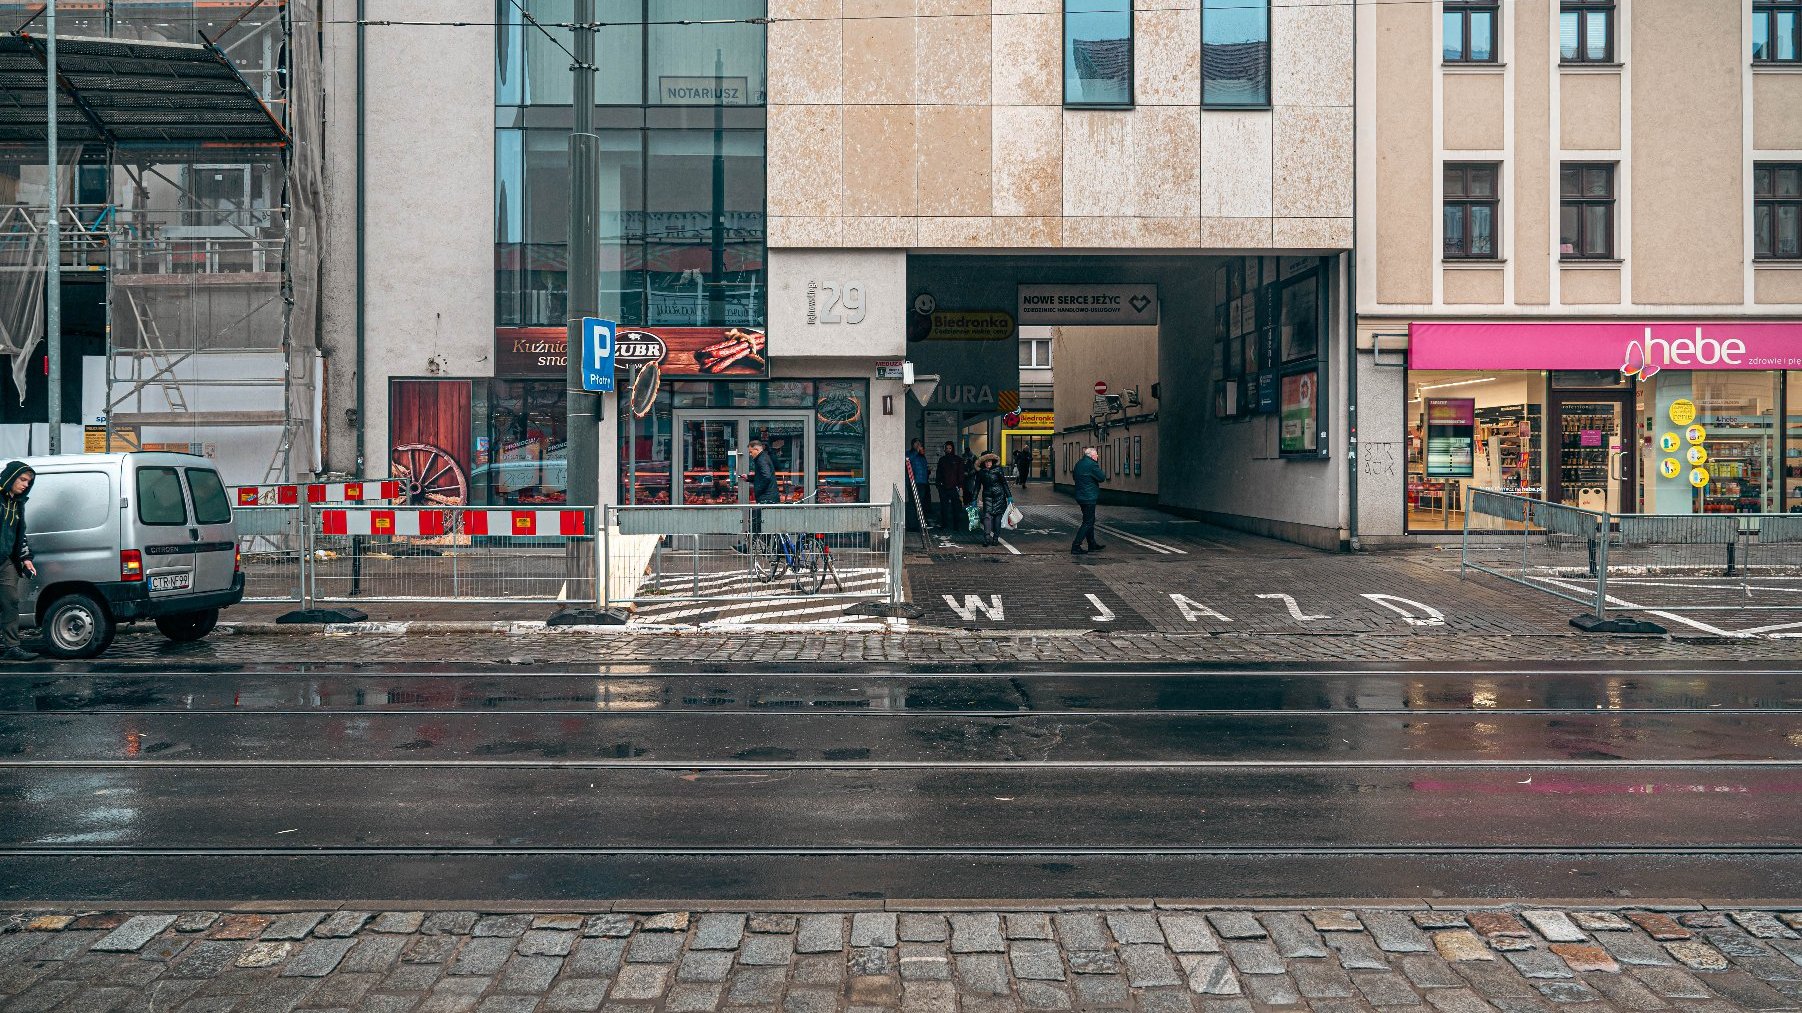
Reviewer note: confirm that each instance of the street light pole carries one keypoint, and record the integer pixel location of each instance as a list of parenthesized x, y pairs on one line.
[(583, 409), (53, 270)]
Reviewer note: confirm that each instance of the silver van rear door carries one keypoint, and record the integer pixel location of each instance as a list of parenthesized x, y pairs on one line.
[(72, 519), (216, 550), (163, 527)]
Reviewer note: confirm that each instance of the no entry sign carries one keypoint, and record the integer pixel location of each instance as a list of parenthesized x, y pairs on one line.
[(1100, 387)]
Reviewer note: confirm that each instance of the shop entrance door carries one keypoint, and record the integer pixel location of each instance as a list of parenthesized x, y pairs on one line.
[(1592, 444), (713, 453)]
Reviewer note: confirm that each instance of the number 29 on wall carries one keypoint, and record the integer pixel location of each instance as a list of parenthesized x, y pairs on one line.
[(846, 296)]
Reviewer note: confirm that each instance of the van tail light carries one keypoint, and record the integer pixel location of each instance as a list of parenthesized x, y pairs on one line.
[(131, 565), (237, 560)]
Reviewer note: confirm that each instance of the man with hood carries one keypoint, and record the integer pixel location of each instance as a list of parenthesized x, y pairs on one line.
[(15, 486)]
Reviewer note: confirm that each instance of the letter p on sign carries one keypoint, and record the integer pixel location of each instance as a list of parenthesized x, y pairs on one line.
[(597, 354)]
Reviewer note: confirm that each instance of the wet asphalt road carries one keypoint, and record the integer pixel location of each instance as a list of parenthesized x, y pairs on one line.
[(321, 782)]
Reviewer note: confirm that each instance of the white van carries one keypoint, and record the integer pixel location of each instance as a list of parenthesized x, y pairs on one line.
[(122, 537)]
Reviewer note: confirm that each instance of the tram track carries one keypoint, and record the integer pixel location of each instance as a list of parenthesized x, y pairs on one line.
[(1236, 781)]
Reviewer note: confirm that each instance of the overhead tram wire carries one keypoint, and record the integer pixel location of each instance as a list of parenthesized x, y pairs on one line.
[(567, 25)]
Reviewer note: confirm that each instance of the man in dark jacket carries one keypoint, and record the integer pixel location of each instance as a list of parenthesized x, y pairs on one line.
[(919, 476), (1087, 476), (15, 486), (950, 478), (1023, 458), (763, 482)]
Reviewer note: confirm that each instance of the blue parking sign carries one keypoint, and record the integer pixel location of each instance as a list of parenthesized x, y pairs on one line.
[(597, 354)]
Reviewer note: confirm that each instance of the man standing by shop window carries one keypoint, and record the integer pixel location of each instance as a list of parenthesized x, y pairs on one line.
[(1087, 478), (919, 474)]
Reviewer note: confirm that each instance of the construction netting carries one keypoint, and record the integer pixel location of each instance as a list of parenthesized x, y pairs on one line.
[(207, 218)]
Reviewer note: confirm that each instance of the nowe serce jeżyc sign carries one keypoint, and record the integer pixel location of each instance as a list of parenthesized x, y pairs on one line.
[(1634, 347)]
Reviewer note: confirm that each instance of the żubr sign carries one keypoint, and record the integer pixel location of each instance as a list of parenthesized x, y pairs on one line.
[(1635, 348)]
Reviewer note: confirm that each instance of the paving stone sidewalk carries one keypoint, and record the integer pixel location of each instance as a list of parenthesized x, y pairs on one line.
[(1146, 958), (704, 646)]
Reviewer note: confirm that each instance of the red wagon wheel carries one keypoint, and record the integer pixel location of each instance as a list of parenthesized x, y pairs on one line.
[(428, 475)]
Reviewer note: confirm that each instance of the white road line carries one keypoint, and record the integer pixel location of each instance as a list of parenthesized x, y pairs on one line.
[(741, 614), (1142, 541), (1007, 545), (1583, 588)]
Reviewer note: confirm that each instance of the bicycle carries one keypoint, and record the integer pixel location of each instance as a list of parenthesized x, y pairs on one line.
[(807, 556)]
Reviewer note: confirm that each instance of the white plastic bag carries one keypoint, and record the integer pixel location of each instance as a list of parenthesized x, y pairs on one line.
[(1013, 517)]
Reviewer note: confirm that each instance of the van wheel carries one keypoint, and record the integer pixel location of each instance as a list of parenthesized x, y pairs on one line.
[(76, 626), (187, 626)]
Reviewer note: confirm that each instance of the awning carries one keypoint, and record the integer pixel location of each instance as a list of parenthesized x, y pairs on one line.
[(129, 93)]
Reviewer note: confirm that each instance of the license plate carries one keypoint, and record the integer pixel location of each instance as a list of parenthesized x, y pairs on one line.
[(172, 582)]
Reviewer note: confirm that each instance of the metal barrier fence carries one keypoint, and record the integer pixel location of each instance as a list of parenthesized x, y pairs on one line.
[(747, 553), (344, 552), (1636, 562), (311, 554)]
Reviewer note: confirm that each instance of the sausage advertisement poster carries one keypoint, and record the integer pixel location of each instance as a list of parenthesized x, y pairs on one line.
[(724, 353), (695, 352)]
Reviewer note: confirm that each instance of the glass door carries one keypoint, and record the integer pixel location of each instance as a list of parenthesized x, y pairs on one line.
[(1592, 453), (788, 439), (710, 460), (714, 461)]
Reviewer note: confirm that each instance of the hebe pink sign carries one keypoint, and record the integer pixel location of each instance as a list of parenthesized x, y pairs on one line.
[(1634, 348)]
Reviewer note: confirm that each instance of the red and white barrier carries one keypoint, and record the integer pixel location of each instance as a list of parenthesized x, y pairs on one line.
[(315, 492), (444, 522)]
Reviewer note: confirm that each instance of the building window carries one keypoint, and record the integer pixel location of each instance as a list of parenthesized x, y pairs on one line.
[(1471, 198), (1470, 31), (1035, 353), (1235, 53), (1098, 53), (1777, 31), (1586, 213), (658, 52), (1777, 210), (1586, 31)]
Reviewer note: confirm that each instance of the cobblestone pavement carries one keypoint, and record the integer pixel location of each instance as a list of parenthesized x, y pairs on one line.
[(527, 644), (1144, 958)]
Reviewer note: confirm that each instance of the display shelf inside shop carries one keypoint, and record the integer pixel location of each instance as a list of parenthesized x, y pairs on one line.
[(1737, 456), (1580, 465), (1510, 436)]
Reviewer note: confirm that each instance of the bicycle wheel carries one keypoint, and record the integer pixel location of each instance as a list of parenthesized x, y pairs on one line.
[(810, 565), (766, 561)]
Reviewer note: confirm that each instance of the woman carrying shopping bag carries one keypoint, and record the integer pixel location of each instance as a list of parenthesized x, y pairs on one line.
[(993, 496)]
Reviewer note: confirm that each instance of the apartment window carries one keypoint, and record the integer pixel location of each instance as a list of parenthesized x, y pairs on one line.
[(1586, 31), (1470, 31), (1777, 210), (1235, 53), (1586, 212), (1777, 31), (1035, 353), (1098, 53), (1471, 196)]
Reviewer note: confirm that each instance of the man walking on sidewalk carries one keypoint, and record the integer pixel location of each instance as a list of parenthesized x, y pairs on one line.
[(1087, 476), (16, 566)]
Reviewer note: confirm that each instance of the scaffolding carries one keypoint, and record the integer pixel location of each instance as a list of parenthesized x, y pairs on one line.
[(196, 127)]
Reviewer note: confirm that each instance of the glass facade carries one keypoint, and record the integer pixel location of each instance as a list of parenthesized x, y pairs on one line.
[(682, 188), (679, 99), (818, 430), (657, 52), (1596, 439)]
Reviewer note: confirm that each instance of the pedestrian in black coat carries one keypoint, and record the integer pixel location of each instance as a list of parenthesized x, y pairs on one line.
[(993, 496)]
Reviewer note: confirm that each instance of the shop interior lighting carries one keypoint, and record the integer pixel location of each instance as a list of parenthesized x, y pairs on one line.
[(1454, 383)]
